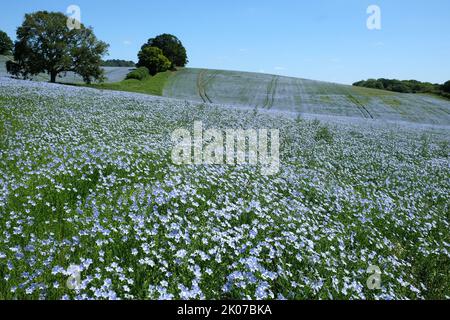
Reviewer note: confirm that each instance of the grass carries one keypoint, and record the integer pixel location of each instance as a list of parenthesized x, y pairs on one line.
[(391, 101), (152, 85), (372, 92)]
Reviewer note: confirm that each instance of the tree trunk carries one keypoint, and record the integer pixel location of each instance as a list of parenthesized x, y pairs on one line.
[(53, 75)]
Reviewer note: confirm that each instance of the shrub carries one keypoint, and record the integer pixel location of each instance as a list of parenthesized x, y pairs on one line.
[(140, 73), (154, 60), (15, 70), (324, 134)]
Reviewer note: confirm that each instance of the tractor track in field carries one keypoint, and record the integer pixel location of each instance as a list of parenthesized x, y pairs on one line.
[(303, 95), (271, 91), (362, 108), (202, 82)]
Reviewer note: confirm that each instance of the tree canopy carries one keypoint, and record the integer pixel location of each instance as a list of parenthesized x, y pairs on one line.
[(46, 44), (171, 47), (6, 44), (153, 59)]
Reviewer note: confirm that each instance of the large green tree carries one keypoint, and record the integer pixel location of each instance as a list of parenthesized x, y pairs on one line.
[(6, 44), (46, 44), (171, 47), (153, 59)]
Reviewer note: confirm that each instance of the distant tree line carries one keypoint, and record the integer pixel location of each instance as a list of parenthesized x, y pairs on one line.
[(406, 86), (118, 63)]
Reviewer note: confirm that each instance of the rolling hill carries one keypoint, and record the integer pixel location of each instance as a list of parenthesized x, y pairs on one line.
[(302, 96), (277, 93)]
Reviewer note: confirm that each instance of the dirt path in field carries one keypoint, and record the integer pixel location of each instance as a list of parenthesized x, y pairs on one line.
[(202, 81), (271, 91), (362, 108)]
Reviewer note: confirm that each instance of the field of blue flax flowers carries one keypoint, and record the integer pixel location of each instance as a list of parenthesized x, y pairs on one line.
[(92, 207)]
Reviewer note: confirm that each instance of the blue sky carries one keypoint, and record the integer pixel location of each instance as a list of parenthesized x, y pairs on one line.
[(320, 39)]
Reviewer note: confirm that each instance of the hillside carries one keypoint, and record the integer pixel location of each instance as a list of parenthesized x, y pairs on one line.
[(265, 91), (272, 92)]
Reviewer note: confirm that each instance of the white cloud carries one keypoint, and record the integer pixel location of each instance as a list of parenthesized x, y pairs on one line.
[(126, 42), (279, 68)]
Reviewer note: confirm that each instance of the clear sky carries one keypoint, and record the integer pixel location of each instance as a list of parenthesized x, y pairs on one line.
[(314, 39)]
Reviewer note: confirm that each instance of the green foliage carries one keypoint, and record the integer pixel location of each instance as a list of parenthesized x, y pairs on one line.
[(425, 145), (140, 73), (151, 85), (399, 86), (324, 134), (45, 44), (444, 148), (118, 63), (371, 83), (6, 44), (402, 86), (14, 69), (153, 59), (446, 87), (171, 47)]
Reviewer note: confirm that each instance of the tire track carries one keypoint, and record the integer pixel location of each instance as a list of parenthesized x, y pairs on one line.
[(202, 82), (271, 91), (200, 87), (362, 108), (302, 103)]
